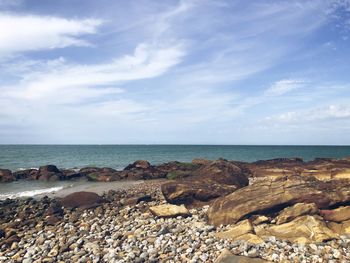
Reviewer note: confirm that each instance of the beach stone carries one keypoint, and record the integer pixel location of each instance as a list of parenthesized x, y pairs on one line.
[(299, 209), (237, 230), (304, 229), (336, 215), (271, 194), (257, 220), (168, 210), (83, 200), (6, 176)]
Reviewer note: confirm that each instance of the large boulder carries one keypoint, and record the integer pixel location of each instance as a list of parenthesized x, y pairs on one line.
[(82, 200), (49, 173), (139, 164), (6, 176), (141, 170), (208, 182), (304, 229), (273, 194)]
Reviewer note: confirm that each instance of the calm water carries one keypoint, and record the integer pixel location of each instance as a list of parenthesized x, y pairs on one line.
[(15, 157)]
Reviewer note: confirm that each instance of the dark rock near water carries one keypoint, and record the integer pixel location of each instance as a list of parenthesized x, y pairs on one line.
[(29, 174), (6, 176), (82, 200), (49, 173), (139, 164)]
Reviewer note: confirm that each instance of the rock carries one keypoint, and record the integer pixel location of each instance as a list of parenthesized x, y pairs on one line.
[(49, 173), (83, 200), (273, 194), (299, 209), (69, 174), (169, 210), (304, 229), (6, 176), (2, 233), (135, 200), (96, 174), (336, 215), (54, 208), (227, 257), (52, 220), (208, 182), (258, 219), (342, 228), (139, 164), (243, 231), (30, 174)]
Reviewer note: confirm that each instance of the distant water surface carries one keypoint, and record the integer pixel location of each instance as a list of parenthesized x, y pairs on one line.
[(17, 157)]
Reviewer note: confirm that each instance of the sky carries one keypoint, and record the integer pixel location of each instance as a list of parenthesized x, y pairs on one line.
[(175, 72)]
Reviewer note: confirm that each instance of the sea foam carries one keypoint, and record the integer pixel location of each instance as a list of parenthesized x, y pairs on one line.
[(31, 193)]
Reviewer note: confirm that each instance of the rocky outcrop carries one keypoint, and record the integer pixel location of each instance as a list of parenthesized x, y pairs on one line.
[(82, 200), (169, 210), (6, 176), (272, 195), (29, 174), (208, 182), (96, 174), (139, 164)]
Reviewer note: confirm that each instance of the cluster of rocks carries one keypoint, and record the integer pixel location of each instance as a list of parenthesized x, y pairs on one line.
[(281, 210), (139, 170)]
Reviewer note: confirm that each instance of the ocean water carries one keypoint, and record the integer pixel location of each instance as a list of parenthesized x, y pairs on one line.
[(16, 157)]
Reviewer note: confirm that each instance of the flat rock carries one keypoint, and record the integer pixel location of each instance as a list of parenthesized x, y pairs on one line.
[(342, 228), (273, 194), (299, 209), (304, 229), (83, 200), (169, 210)]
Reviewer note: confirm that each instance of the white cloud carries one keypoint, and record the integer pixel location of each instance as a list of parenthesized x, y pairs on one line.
[(28, 32), (326, 113), (284, 86)]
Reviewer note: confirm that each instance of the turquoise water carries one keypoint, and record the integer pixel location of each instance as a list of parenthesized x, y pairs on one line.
[(16, 157)]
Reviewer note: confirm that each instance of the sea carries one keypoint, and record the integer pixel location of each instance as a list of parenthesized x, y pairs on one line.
[(17, 157)]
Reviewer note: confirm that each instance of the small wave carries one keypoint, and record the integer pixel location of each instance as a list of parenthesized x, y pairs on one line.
[(31, 193)]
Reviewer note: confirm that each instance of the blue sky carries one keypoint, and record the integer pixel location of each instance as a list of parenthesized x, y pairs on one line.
[(191, 71)]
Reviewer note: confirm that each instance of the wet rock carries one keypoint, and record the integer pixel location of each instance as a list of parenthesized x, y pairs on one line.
[(83, 200), (49, 173), (29, 174), (6, 176), (139, 164), (169, 210)]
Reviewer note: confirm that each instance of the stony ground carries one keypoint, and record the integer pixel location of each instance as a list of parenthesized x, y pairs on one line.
[(115, 232)]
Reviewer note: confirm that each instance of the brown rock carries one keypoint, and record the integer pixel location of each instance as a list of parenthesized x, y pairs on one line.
[(139, 164), (272, 195), (242, 231), (83, 200), (49, 173), (258, 219), (206, 183), (30, 174), (6, 176), (299, 209), (304, 229), (169, 210), (336, 215), (52, 220)]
